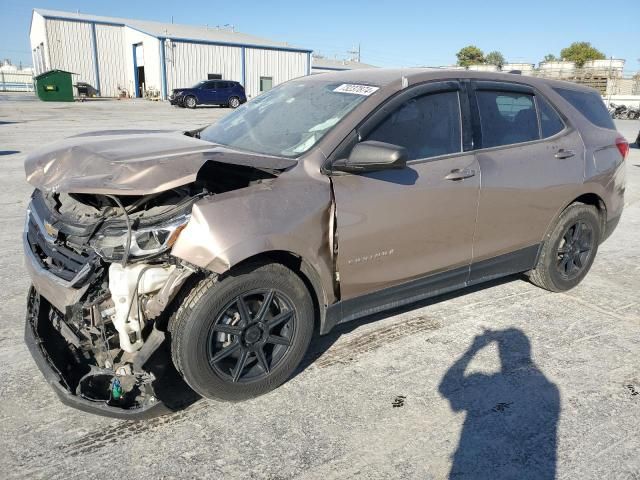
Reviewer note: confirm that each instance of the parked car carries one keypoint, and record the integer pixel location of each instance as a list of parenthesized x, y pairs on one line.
[(219, 251), (225, 93)]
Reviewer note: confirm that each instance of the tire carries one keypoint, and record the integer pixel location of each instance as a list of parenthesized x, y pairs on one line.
[(234, 102), (211, 324), (190, 102), (569, 249)]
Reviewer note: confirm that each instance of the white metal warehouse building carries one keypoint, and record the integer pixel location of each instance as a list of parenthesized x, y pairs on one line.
[(114, 54)]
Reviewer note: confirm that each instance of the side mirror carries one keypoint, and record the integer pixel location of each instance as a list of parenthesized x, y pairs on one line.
[(371, 156)]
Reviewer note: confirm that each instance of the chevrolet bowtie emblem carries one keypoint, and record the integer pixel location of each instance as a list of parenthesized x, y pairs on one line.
[(51, 230)]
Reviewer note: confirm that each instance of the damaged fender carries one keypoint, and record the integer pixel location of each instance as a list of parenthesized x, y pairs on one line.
[(229, 228)]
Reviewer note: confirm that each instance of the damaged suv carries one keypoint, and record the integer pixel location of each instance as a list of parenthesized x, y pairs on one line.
[(216, 253)]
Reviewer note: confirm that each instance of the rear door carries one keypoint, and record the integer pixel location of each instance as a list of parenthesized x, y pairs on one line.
[(223, 93), (396, 226), (531, 161)]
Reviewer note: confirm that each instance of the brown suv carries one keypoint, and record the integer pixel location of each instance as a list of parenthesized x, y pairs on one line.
[(219, 251)]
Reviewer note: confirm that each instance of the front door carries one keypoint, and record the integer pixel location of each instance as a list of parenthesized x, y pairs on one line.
[(396, 226), (210, 93)]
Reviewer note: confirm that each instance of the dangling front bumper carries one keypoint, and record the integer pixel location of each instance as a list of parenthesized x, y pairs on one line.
[(63, 370)]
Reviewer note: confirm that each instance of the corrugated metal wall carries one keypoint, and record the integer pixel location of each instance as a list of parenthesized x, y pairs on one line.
[(39, 44), (280, 65), (111, 59), (188, 63), (71, 49)]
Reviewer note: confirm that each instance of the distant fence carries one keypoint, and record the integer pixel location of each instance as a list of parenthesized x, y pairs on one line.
[(607, 82), (16, 82)]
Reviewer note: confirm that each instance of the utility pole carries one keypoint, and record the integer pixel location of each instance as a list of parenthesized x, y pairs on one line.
[(355, 54)]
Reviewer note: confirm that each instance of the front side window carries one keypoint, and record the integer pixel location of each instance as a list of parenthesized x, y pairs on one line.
[(426, 126), (507, 118), (287, 120)]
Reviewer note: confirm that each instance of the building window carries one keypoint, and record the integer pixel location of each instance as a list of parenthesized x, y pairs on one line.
[(266, 83), (214, 76)]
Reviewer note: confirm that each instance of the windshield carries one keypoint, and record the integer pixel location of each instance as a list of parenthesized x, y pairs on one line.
[(197, 85), (287, 120)]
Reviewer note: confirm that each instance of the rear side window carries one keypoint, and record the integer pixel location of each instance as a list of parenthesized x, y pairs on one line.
[(550, 121), (507, 118), (426, 126), (590, 105)]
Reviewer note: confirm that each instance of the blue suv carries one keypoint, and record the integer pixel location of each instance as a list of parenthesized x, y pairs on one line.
[(210, 92)]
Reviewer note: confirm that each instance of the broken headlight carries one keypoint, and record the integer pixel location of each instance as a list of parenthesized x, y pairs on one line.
[(110, 243)]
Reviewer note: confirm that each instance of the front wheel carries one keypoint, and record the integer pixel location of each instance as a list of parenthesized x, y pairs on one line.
[(569, 249), (190, 102), (234, 102), (244, 334)]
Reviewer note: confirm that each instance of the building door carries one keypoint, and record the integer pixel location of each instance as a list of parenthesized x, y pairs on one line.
[(138, 69)]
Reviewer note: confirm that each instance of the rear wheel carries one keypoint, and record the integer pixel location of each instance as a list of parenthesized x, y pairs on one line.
[(569, 249), (243, 335), (190, 102), (234, 102)]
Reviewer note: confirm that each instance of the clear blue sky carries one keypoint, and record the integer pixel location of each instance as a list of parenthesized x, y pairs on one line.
[(391, 33)]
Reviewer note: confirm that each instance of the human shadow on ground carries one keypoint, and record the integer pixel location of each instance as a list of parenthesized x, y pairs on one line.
[(510, 430)]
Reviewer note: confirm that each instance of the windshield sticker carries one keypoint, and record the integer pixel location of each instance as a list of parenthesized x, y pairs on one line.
[(365, 90)]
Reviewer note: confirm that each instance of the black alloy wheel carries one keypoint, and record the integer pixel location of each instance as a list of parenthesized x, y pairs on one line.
[(575, 250), (252, 335), (569, 248), (242, 334)]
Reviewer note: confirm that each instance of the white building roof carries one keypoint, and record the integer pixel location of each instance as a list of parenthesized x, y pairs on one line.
[(174, 31), (331, 64)]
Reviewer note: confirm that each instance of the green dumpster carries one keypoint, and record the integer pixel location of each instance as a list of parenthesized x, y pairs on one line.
[(54, 86)]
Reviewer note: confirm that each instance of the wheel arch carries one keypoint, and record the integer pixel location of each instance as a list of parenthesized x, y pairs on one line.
[(301, 267), (587, 198), (595, 200)]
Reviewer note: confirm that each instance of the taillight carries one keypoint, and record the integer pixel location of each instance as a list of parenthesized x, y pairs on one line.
[(623, 147)]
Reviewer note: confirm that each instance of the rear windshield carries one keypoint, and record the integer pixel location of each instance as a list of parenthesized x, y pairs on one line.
[(590, 105), (289, 119)]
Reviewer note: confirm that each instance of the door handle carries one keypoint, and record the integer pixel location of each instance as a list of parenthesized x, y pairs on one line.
[(562, 153), (460, 174)]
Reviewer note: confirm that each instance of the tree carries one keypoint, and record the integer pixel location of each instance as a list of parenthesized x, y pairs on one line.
[(550, 57), (470, 55), (581, 52), (495, 58)]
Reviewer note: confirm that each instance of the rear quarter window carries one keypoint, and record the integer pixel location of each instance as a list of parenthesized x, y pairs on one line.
[(590, 105)]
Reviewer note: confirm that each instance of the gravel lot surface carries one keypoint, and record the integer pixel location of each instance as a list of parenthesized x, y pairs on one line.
[(376, 399)]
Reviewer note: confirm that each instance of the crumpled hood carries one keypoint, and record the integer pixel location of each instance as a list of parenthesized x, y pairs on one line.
[(131, 162)]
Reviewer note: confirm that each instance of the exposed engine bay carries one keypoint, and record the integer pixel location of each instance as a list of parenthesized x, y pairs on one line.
[(113, 253)]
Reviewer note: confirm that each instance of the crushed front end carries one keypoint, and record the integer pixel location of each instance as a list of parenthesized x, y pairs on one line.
[(102, 280)]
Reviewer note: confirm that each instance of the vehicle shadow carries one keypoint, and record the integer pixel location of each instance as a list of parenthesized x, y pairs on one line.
[(512, 416), (320, 344), (177, 395)]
